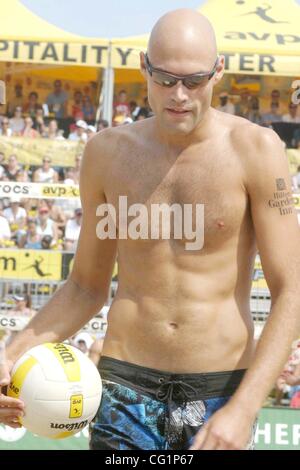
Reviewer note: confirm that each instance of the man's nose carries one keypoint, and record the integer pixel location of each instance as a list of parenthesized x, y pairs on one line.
[(180, 93)]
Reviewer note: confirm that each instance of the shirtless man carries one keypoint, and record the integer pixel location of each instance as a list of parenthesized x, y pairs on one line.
[(180, 332)]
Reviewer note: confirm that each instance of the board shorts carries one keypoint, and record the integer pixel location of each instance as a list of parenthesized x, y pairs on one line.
[(147, 409)]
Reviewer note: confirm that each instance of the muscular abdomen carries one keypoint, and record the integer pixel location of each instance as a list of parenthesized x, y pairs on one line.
[(182, 313)]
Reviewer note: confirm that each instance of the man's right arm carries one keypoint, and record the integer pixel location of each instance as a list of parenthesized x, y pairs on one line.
[(86, 290)]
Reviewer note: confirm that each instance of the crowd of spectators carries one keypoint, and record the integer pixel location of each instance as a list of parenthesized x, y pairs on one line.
[(248, 106), (39, 224), (62, 118)]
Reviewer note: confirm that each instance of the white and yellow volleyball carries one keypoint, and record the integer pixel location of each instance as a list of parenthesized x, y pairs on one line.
[(61, 389)]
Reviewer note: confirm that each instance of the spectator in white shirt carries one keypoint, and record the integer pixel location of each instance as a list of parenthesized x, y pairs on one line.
[(80, 132), (5, 130), (292, 115), (17, 123), (72, 232), (69, 176), (5, 233), (225, 106), (45, 174), (45, 225), (16, 216)]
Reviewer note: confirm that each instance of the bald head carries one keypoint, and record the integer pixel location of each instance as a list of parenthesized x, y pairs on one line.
[(183, 34)]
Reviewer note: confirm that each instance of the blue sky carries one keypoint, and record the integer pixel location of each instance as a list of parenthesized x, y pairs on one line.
[(107, 18)]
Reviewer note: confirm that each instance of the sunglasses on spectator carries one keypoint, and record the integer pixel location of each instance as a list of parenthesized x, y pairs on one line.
[(168, 80)]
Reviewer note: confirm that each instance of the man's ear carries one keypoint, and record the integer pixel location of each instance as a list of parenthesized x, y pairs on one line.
[(2, 92), (220, 70)]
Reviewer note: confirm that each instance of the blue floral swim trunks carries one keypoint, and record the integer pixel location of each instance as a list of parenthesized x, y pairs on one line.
[(147, 409)]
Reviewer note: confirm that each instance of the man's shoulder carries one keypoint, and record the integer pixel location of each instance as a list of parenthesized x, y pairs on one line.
[(257, 148), (115, 140), (250, 139)]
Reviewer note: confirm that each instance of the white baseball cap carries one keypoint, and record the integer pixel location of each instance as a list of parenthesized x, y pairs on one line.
[(82, 124), (85, 337)]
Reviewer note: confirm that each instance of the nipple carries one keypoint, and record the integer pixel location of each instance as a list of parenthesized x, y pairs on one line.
[(220, 224)]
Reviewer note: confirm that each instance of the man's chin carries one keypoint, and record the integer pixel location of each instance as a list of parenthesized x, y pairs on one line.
[(179, 128)]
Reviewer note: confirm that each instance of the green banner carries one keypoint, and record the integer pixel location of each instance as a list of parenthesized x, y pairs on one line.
[(278, 429)]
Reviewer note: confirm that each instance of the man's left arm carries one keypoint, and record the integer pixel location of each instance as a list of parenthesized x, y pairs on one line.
[(268, 183)]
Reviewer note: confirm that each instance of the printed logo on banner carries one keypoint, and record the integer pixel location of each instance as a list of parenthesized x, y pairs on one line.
[(30, 264)]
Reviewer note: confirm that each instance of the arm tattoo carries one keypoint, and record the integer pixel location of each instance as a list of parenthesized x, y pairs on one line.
[(282, 198)]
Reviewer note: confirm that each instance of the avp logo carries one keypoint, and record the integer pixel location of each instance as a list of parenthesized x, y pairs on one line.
[(296, 95), (261, 12), (37, 266)]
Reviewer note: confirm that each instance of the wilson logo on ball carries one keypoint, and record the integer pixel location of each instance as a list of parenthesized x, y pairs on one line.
[(64, 353)]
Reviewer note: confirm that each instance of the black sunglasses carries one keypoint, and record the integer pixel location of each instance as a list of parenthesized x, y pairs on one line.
[(166, 79)]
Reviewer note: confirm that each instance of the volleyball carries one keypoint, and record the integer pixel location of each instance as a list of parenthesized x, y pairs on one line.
[(61, 389)]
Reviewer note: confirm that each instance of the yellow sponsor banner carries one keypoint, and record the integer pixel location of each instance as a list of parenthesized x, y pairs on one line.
[(293, 159), (90, 53), (35, 265), (32, 151), (38, 190), (54, 191), (250, 63)]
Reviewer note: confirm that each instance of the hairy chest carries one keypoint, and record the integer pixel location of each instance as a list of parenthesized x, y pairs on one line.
[(180, 198)]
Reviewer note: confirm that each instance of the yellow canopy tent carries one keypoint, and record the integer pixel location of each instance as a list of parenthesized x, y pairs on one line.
[(27, 38), (256, 37), (30, 45)]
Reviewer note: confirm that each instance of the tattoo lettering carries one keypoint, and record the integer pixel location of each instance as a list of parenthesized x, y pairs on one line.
[(282, 199)]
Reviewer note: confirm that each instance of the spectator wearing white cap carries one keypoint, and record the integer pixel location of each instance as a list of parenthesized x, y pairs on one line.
[(83, 341), (22, 306), (80, 132)]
